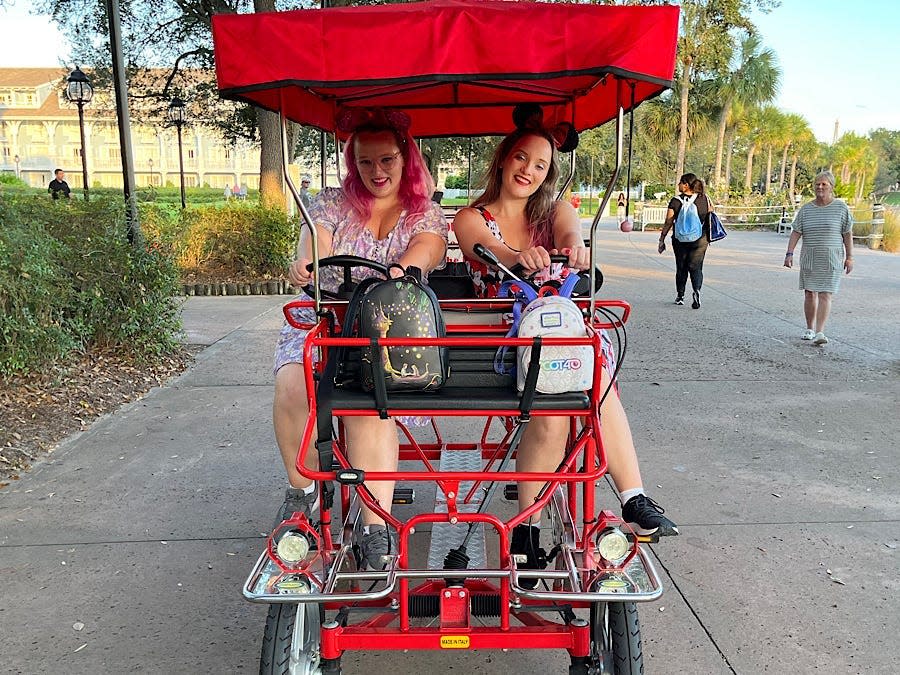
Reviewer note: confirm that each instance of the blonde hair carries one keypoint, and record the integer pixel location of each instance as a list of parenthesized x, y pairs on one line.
[(827, 175)]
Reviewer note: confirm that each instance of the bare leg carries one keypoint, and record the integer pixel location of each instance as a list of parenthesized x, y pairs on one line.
[(543, 446), (822, 311), (289, 414), (810, 300), (541, 450), (372, 445), (618, 442)]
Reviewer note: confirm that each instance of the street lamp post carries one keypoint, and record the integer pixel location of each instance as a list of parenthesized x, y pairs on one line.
[(16, 160), (79, 91), (150, 162), (176, 117)]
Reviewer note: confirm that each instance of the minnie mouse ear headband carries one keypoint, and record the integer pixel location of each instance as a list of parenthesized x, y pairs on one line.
[(531, 116), (351, 120)]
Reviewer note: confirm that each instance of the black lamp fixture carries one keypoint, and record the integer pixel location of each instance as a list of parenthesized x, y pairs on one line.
[(79, 91), (177, 118)]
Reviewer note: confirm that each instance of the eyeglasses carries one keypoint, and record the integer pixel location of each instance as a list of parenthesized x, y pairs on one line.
[(387, 162)]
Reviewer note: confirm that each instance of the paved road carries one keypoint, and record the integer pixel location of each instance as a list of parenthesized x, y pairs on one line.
[(778, 460)]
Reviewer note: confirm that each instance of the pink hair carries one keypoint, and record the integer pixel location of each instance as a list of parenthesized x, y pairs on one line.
[(416, 183)]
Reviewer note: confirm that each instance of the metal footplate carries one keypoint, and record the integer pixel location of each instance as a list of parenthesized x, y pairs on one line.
[(447, 536)]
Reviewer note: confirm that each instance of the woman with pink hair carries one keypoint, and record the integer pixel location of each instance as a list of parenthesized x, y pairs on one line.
[(382, 212)]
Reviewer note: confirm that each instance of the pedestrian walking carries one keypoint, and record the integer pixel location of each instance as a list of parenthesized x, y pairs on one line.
[(688, 218), (826, 227)]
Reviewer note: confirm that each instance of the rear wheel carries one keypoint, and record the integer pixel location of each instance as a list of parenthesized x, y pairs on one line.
[(292, 640), (616, 638)]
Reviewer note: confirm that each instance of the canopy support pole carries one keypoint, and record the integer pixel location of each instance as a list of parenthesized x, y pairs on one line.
[(620, 116), (337, 158), (304, 213), (568, 181)]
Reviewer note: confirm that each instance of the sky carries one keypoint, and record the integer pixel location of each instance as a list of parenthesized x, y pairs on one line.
[(840, 60)]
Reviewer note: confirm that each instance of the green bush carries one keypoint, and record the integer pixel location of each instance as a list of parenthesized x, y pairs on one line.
[(892, 230), (238, 238), (69, 279)]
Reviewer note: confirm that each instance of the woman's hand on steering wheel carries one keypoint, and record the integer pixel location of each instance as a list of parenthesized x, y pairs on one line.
[(579, 257), (298, 274), (533, 259)]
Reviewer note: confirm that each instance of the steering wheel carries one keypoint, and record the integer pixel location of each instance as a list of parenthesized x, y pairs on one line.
[(347, 263), (583, 287)]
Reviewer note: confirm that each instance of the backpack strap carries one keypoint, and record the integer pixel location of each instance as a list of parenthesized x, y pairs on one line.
[(528, 391)]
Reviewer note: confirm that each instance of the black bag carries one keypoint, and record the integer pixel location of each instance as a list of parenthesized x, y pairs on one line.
[(398, 308)]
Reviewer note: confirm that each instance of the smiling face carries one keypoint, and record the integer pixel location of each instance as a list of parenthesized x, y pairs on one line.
[(526, 166), (379, 162)]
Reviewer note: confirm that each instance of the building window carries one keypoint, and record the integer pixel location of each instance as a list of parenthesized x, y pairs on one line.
[(6, 152), (76, 152), (227, 153), (115, 153), (190, 153)]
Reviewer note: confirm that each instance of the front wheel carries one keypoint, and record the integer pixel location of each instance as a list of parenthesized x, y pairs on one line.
[(616, 638), (292, 640)]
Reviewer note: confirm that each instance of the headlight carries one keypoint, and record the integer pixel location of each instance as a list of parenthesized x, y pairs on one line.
[(613, 545), (292, 547)]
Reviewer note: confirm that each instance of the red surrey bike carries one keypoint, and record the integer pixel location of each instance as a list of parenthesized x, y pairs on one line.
[(456, 67)]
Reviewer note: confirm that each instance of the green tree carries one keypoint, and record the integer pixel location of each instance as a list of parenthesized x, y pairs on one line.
[(752, 80), (886, 144)]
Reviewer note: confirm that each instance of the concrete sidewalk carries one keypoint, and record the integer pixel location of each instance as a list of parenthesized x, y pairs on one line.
[(777, 459)]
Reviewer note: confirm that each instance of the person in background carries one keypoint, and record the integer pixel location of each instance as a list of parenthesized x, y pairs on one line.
[(305, 196), (58, 186), (382, 212), (826, 227), (689, 255), (620, 207), (228, 194), (519, 220)]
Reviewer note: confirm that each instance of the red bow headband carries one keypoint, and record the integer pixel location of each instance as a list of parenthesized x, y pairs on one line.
[(350, 120), (531, 116)]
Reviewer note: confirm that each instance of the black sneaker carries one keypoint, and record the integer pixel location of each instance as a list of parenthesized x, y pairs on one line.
[(373, 550), (696, 303), (679, 300), (295, 500), (526, 540), (646, 517)]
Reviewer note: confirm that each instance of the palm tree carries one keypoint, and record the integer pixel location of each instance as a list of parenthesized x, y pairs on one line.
[(760, 122), (753, 81)]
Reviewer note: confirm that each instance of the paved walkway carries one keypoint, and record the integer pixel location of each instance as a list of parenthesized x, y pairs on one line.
[(127, 550)]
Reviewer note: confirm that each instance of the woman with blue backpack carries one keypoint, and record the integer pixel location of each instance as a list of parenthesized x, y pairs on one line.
[(520, 222), (688, 218)]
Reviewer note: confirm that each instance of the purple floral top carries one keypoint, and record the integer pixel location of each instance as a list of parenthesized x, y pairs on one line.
[(331, 211)]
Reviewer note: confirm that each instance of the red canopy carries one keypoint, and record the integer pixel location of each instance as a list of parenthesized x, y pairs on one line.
[(458, 67)]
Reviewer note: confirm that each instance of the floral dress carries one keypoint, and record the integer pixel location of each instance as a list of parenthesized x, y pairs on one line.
[(349, 236)]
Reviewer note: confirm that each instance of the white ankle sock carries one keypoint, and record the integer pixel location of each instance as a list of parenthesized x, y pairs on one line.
[(309, 489), (628, 494)]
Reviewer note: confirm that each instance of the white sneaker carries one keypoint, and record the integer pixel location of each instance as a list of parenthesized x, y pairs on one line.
[(809, 334), (820, 339)]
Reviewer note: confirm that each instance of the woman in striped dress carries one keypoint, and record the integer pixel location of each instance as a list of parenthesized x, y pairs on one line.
[(826, 227)]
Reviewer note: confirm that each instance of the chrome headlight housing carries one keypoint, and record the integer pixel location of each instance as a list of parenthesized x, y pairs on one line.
[(292, 547), (613, 546)]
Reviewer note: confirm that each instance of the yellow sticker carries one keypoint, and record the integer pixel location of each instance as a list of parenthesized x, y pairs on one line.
[(454, 642)]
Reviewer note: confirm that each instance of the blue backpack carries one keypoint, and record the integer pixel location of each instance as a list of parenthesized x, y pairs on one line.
[(688, 226)]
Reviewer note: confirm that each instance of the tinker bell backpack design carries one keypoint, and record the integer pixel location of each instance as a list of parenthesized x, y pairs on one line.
[(398, 308), (688, 226), (563, 369)]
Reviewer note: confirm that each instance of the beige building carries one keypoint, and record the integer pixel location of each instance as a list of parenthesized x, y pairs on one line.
[(39, 133)]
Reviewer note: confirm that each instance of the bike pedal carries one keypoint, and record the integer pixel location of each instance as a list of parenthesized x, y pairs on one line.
[(404, 495), (511, 492), (644, 538)]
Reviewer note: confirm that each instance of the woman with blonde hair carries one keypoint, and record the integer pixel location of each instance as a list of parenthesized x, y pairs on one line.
[(826, 227)]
